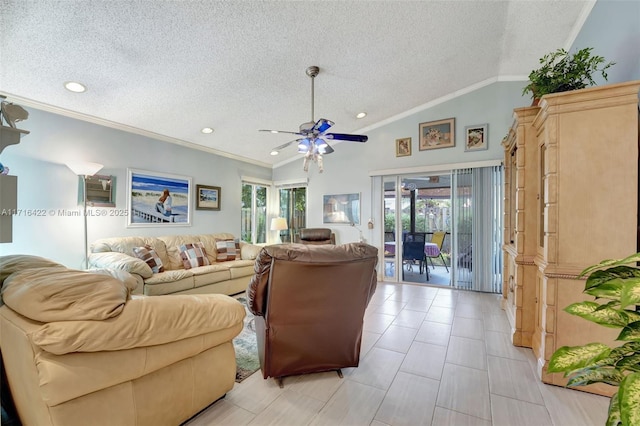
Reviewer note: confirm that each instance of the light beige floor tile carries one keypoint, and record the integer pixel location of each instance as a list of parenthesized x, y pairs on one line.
[(465, 390), (255, 393), (377, 423), (509, 412), (496, 322), (377, 369), (444, 417), (397, 339), (468, 310), (320, 386), (447, 301), (368, 340), (514, 379), (377, 323), (290, 407), (419, 304), (440, 314), (436, 333), (467, 352), (425, 359), (468, 327), (390, 307), (409, 401), (408, 292), (569, 407), (408, 318), (353, 404), (222, 413), (499, 344)]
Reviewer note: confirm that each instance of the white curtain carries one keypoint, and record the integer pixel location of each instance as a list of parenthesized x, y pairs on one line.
[(477, 228)]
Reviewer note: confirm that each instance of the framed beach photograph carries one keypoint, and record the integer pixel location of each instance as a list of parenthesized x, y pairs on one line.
[(158, 199), (437, 134), (207, 197), (341, 208), (403, 147), (476, 138)]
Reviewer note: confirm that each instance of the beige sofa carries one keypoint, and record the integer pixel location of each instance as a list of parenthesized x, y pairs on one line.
[(225, 277), (79, 350)]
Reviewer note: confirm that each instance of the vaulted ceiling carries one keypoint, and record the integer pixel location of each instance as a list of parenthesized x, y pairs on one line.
[(167, 69)]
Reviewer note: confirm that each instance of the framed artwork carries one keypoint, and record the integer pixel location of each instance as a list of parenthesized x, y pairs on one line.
[(403, 147), (437, 134), (157, 199), (476, 138), (207, 197), (341, 208)]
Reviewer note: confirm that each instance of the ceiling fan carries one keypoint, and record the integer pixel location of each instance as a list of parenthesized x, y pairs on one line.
[(313, 143)]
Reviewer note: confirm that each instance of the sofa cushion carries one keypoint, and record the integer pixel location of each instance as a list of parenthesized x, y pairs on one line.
[(193, 255), (144, 321), (60, 294), (227, 249), (150, 257)]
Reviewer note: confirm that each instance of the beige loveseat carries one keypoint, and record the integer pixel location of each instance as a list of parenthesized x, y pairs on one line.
[(79, 350), (225, 277)]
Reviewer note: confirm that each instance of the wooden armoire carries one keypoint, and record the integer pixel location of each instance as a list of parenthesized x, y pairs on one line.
[(571, 200)]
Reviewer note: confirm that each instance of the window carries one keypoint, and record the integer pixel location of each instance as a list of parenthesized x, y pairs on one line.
[(254, 213)]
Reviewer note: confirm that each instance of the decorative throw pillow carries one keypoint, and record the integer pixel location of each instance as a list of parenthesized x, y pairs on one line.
[(193, 255), (150, 257), (227, 250)]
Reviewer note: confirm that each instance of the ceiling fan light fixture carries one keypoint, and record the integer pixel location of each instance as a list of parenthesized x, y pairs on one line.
[(361, 115), (303, 146)]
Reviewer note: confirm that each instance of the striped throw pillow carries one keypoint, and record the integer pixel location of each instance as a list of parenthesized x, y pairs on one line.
[(193, 255), (227, 250), (150, 257)]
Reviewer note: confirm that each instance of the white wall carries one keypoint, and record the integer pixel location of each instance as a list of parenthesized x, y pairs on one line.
[(46, 184)]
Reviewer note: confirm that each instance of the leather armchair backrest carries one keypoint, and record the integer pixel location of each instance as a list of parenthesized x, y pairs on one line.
[(309, 303), (315, 236)]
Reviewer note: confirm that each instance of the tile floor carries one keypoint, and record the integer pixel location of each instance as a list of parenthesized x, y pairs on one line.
[(430, 356)]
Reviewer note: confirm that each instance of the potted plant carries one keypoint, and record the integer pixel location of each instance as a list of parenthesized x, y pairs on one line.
[(560, 72), (617, 298)]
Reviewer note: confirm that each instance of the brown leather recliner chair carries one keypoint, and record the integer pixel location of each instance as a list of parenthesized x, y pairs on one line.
[(309, 303), (315, 236)]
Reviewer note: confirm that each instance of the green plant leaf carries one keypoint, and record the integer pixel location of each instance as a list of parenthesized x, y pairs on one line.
[(611, 262), (570, 358), (599, 277), (631, 332), (613, 419), (630, 291), (606, 290), (587, 376), (629, 399), (600, 314), (631, 363)]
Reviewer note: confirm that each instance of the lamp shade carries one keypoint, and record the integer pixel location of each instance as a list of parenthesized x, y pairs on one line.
[(85, 168), (279, 224)]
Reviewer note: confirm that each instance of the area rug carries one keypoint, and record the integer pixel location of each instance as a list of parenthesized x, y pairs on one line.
[(246, 347)]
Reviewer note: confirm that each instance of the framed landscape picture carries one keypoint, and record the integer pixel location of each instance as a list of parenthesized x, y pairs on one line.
[(476, 137), (158, 199), (341, 208), (403, 147), (207, 197), (437, 134)]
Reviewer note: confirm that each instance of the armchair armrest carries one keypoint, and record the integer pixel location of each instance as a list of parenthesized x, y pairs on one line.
[(116, 260)]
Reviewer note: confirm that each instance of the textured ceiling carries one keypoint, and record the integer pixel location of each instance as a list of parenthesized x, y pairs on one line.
[(170, 68)]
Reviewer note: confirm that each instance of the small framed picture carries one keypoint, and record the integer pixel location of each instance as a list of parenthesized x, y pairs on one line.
[(476, 138), (403, 147), (437, 134), (207, 197)]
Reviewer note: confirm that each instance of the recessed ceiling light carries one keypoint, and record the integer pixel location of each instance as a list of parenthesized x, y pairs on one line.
[(73, 86), (361, 115), (274, 152), (207, 130)]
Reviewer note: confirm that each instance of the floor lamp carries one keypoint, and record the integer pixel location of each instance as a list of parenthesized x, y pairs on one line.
[(83, 170), (279, 224)]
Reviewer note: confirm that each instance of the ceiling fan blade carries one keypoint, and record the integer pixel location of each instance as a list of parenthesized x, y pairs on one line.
[(280, 131), (346, 137), (323, 125), (284, 145)]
